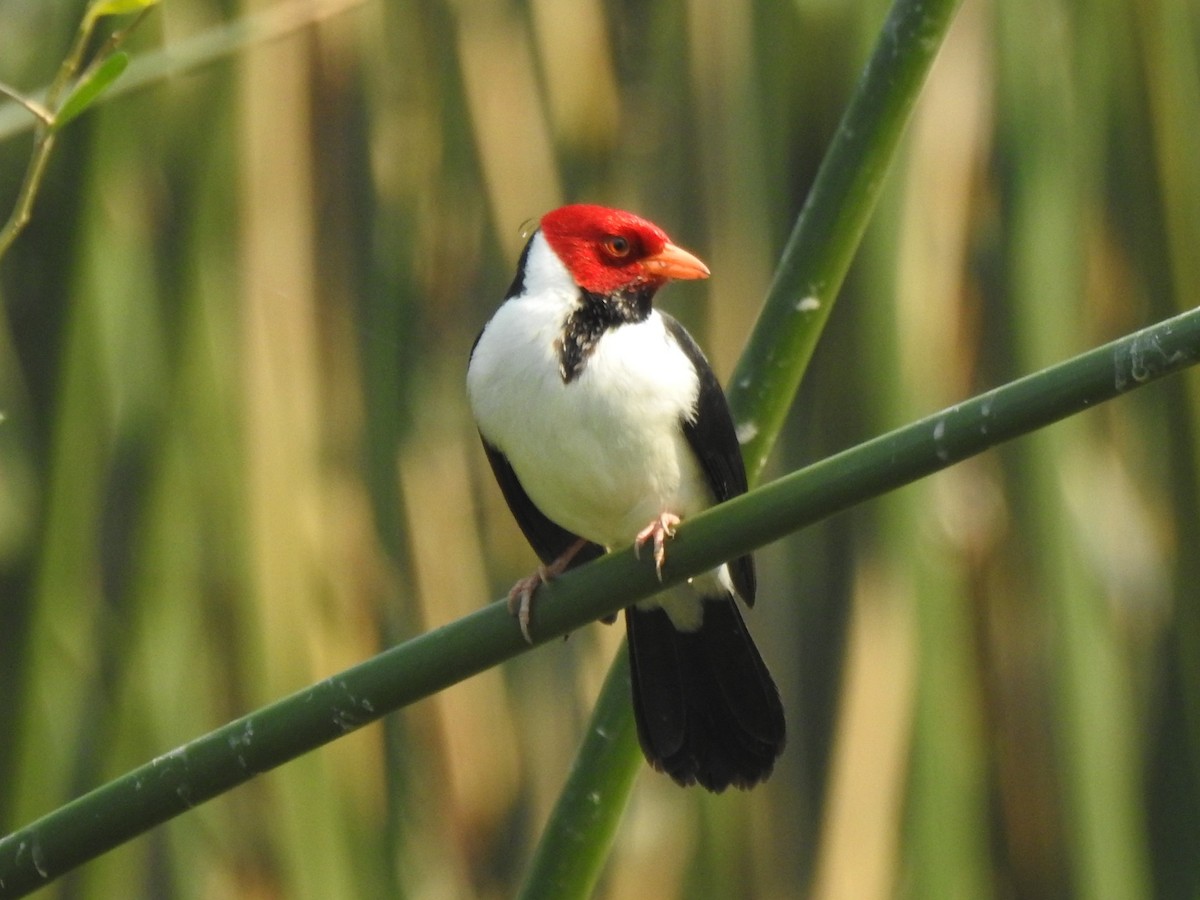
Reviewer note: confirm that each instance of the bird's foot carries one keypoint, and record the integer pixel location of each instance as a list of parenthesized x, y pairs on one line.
[(520, 597), (658, 530)]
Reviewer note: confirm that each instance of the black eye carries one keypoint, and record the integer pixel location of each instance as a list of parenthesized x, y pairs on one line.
[(617, 246)]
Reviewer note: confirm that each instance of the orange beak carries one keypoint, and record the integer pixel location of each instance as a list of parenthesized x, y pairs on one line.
[(675, 262)]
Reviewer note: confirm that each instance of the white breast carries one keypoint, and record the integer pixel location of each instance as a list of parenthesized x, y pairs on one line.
[(603, 454)]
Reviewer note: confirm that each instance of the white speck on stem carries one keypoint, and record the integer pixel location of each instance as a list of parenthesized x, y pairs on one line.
[(746, 432), (939, 434), (1142, 359), (39, 859), (346, 720), (244, 739), (184, 793), (808, 304), (179, 753)]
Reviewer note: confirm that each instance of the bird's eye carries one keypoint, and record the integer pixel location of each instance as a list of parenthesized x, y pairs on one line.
[(617, 246)]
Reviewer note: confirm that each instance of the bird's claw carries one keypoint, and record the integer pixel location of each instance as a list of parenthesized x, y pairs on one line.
[(658, 530), (520, 597)]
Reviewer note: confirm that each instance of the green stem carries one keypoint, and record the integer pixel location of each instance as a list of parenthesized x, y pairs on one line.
[(70, 65), (23, 206), (269, 737), (214, 44), (46, 113), (217, 43), (831, 224), (34, 108), (582, 826)]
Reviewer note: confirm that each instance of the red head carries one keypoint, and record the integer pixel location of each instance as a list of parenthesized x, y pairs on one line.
[(609, 249)]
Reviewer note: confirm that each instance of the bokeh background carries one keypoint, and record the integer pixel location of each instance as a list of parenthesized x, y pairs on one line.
[(236, 457)]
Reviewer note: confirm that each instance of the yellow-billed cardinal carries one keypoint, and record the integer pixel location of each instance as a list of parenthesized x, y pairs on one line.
[(604, 425)]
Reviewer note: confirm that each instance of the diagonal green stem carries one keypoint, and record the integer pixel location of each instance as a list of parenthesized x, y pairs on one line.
[(269, 737), (611, 742), (797, 306), (831, 224)]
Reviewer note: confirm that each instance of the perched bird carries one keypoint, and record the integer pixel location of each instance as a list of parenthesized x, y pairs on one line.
[(605, 426)]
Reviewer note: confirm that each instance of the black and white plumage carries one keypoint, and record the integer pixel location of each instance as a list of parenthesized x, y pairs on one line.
[(605, 426)]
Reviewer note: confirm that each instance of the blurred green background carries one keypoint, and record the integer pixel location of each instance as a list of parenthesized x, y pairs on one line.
[(236, 458)]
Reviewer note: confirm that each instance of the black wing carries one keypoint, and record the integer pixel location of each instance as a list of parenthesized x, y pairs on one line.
[(548, 539), (712, 436)]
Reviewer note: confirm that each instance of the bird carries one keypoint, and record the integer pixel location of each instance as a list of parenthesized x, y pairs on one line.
[(605, 426)]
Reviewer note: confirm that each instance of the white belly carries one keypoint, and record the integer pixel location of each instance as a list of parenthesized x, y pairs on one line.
[(603, 454)]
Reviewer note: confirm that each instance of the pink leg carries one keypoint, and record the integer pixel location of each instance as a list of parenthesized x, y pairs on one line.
[(520, 598), (660, 529)]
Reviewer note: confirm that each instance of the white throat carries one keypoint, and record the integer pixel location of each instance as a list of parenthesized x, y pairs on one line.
[(545, 274)]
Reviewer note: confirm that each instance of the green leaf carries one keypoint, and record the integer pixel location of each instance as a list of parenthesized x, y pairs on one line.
[(117, 8), (89, 87)]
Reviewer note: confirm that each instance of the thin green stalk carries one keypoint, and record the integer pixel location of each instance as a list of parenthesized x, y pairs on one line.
[(217, 43), (35, 109), (810, 274), (43, 141), (23, 207), (581, 829), (212, 764), (831, 224), (48, 112)]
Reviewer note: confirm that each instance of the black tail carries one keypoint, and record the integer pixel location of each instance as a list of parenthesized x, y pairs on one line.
[(707, 710)]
